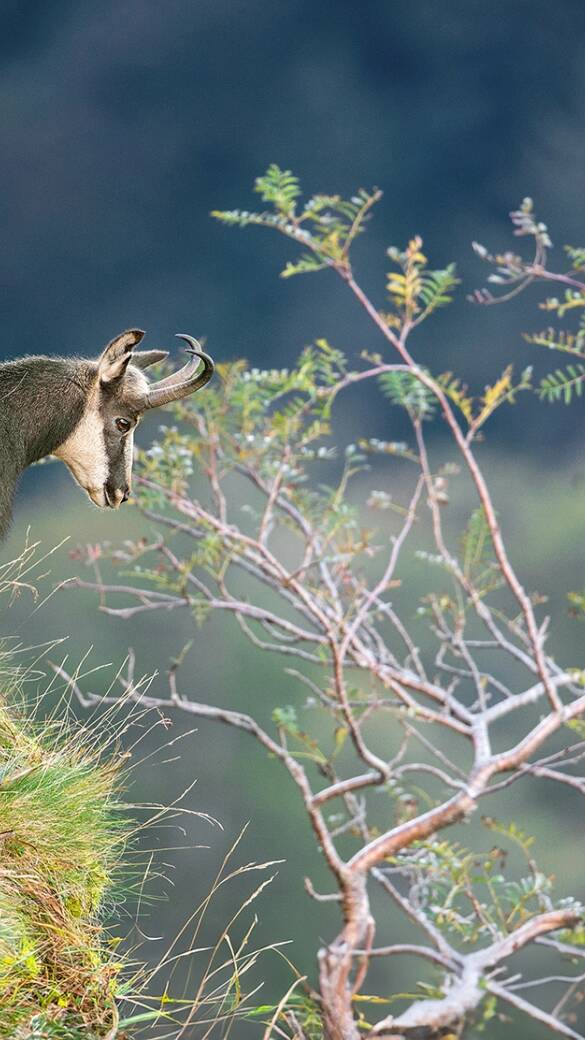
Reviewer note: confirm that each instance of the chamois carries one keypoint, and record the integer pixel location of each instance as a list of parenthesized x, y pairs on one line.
[(85, 413)]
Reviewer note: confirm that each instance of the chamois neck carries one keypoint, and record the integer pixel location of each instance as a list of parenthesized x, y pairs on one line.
[(41, 402)]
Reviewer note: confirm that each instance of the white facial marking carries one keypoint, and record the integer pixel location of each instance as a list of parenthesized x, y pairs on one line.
[(84, 452), (129, 456)]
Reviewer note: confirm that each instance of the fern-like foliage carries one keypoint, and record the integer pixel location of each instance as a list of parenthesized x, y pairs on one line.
[(563, 341), (512, 271), (262, 415), (563, 384), (503, 390), (576, 255), (406, 391), (280, 187), (437, 287), (515, 274), (478, 410), (449, 876), (326, 225), (477, 554), (306, 264), (476, 542), (415, 291), (458, 393), (572, 299)]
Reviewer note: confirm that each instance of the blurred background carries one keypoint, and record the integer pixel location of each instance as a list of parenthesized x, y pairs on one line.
[(123, 125)]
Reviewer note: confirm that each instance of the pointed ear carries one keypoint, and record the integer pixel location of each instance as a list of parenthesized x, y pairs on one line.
[(146, 358), (115, 358)]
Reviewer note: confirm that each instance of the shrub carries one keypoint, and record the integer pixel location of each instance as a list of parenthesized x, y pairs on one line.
[(409, 724)]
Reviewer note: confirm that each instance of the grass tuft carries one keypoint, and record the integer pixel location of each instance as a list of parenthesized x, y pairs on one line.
[(62, 837)]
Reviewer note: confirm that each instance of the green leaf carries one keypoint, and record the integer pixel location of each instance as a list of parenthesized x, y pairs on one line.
[(280, 187), (306, 264), (565, 342), (576, 256), (437, 287), (287, 718), (406, 390), (563, 384), (476, 543)]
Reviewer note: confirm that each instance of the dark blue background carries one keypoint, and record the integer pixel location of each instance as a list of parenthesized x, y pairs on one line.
[(125, 122)]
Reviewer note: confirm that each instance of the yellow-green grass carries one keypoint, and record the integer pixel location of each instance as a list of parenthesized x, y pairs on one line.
[(62, 837)]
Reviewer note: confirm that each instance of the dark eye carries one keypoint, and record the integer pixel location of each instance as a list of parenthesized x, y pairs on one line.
[(123, 425)]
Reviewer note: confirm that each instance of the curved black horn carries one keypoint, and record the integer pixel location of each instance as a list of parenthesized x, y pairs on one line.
[(185, 372), (184, 382)]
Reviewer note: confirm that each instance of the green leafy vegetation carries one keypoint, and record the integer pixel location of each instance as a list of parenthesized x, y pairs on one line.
[(326, 224), (563, 384), (515, 274), (406, 391)]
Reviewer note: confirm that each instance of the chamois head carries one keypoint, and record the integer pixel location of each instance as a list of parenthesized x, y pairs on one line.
[(99, 450)]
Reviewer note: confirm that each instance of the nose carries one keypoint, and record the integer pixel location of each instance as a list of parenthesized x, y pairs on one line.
[(115, 496)]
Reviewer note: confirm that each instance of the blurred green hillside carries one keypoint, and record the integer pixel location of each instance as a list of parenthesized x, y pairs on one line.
[(542, 517)]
